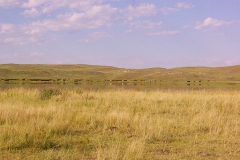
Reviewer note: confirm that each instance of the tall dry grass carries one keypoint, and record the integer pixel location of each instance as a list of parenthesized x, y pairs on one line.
[(120, 124)]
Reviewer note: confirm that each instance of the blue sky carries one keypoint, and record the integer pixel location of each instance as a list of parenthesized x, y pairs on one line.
[(121, 33)]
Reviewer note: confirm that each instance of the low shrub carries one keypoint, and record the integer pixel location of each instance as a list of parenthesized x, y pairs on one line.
[(47, 93), (78, 91)]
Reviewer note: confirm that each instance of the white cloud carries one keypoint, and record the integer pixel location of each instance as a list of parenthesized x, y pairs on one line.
[(6, 28), (83, 3), (210, 22), (38, 7), (221, 61), (143, 10), (94, 17), (55, 4), (163, 33), (20, 35), (34, 3), (36, 54), (212, 60), (33, 12), (231, 62), (166, 10), (99, 35), (105, 12), (34, 57), (182, 5), (129, 31), (9, 3), (97, 16), (23, 40), (150, 24), (145, 24), (96, 36), (185, 5), (186, 26)]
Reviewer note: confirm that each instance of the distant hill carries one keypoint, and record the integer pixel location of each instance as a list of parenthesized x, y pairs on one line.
[(81, 71)]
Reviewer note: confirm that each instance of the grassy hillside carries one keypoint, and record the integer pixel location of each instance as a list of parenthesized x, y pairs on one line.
[(231, 73)]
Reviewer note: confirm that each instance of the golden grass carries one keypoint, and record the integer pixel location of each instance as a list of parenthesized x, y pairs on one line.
[(121, 124)]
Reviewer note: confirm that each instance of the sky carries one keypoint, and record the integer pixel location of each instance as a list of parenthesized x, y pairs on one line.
[(121, 33)]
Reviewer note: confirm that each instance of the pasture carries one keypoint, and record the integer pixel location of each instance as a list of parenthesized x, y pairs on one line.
[(53, 123)]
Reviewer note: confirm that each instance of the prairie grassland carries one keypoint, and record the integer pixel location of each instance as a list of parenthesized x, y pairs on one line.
[(121, 124)]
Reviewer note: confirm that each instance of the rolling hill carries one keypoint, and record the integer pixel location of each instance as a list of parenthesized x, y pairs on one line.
[(82, 71)]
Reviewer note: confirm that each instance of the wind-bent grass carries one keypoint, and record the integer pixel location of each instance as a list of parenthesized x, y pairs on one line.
[(120, 124)]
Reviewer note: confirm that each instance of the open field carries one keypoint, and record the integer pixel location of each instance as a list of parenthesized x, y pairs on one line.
[(119, 124), (92, 72)]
